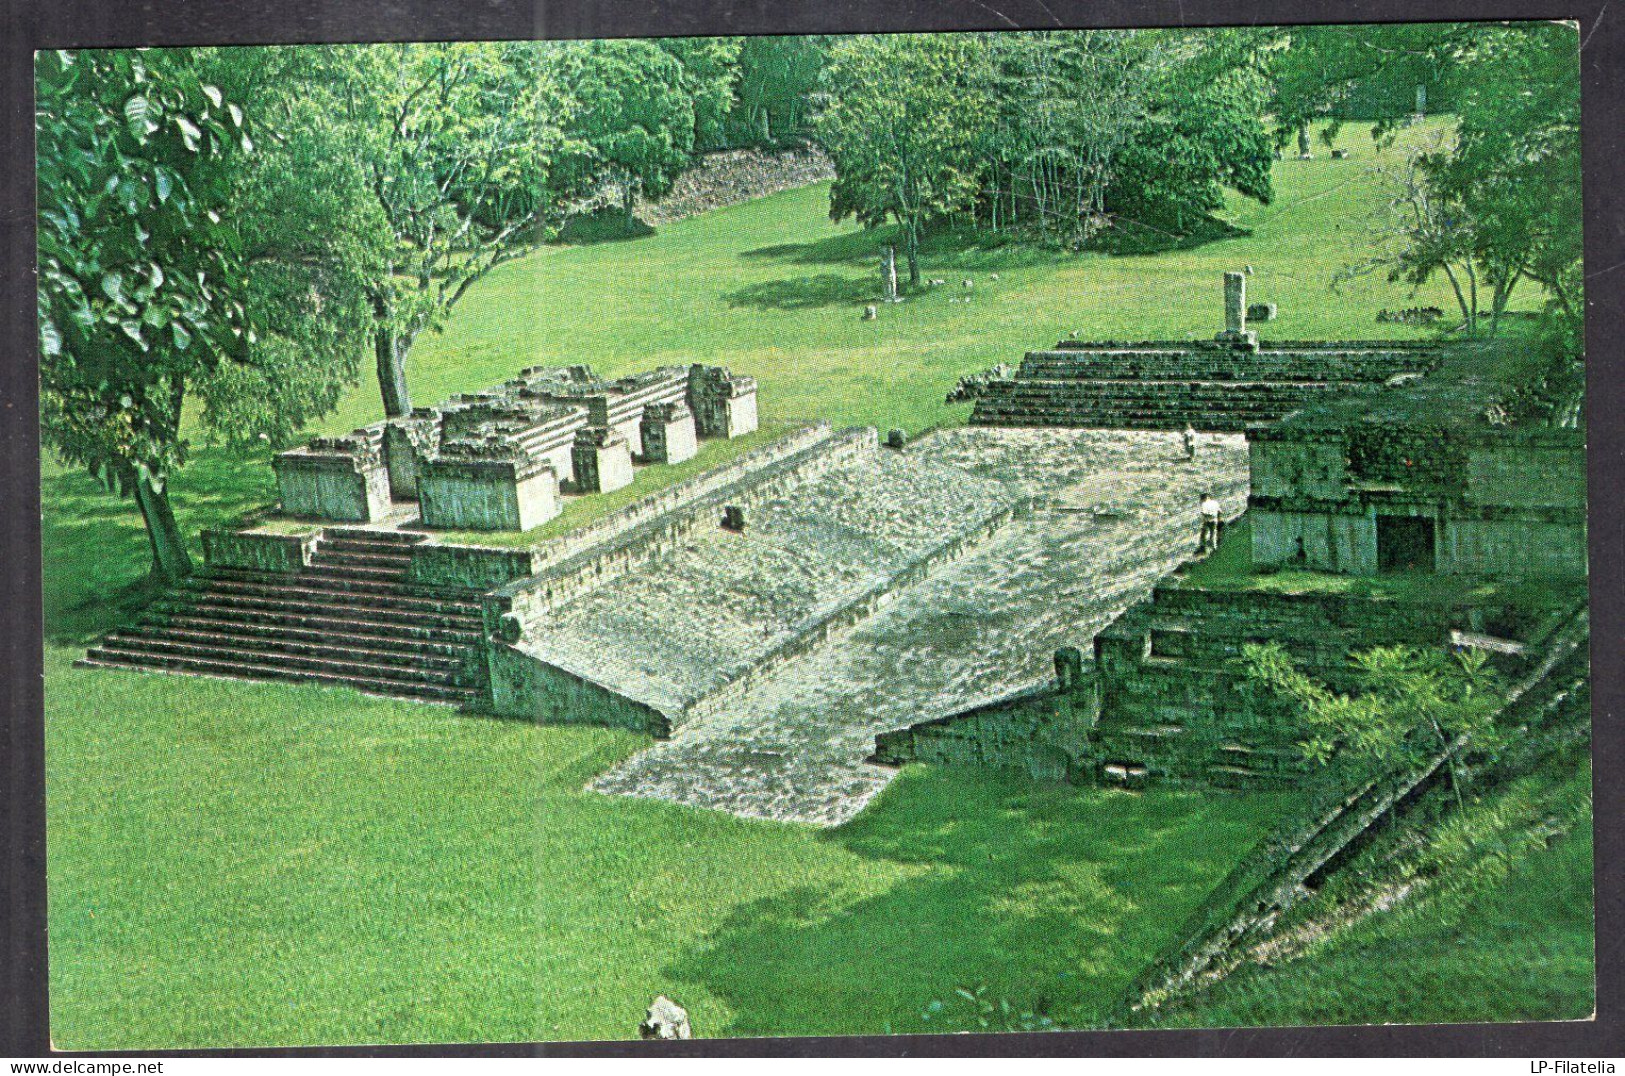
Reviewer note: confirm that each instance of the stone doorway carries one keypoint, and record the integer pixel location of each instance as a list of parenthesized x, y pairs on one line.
[(1405, 544)]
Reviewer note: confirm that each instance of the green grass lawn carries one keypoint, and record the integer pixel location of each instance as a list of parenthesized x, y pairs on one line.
[(239, 864)]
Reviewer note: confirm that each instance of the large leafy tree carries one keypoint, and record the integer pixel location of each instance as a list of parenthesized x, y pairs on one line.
[(140, 270), (778, 80), (314, 241), (458, 141), (710, 70), (634, 118), (904, 120)]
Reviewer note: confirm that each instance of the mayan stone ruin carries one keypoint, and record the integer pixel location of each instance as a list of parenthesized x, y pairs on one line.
[(794, 623)]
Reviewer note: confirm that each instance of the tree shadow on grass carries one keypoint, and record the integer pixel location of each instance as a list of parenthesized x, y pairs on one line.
[(804, 293), (609, 225), (96, 557), (950, 250), (1051, 898)]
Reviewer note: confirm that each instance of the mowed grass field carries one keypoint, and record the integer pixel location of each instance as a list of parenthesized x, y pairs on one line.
[(237, 864), (244, 864)]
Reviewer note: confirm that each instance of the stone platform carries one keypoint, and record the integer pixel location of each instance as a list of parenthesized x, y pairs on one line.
[(1112, 511)]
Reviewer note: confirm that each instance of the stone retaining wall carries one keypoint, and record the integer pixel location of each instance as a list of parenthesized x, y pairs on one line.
[(258, 551)]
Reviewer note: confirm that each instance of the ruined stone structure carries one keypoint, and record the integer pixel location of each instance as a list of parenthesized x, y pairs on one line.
[(1167, 385), (1416, 476), (1412, 486), (668, 433), (498, 459)]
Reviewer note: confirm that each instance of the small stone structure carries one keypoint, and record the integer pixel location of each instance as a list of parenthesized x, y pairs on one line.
[(1261, 312), (1421, 483), (484, 461), (1235, 331), (723, 405), (668, 433), (603, 460), (343, 479)]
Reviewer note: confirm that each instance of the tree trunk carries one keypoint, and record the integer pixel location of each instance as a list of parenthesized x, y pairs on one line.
[(170, 560), (390, 348), (912, 229)]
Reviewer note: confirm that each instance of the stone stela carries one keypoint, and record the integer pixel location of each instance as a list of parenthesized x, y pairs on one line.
[(500, 459)]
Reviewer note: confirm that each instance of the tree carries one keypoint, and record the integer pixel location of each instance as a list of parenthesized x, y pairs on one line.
[(710, 68), (634, 120), (313, 242), (1420, 230), (778, 80), (140, 272), (1410, 705), (903, 122), (459, 141), (1067, 105), (1203, 133)]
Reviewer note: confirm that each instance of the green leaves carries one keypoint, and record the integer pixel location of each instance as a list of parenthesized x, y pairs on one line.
[(138, 114)]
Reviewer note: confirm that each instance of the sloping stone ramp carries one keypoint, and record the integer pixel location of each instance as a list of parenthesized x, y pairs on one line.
[(1113, 512)]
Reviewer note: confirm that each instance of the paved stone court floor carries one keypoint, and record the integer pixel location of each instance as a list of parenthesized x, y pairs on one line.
[(1114, 511)]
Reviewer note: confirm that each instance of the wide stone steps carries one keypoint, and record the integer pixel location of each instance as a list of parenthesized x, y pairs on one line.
[(369, 558), (361, 635), (243, 670), (357, 665), (302, 611), (1228, 406), (336, 591), (1197, 366), (351, 618), (180, 639)]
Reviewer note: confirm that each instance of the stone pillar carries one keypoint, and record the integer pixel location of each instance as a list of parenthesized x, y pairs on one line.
[(602, 458), (1421, 100), (1235, 303), (888, 274)]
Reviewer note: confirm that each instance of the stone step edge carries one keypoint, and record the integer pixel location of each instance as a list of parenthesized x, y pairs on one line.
[(293, 663), (415, 693)]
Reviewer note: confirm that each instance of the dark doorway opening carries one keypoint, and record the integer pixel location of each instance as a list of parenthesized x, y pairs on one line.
[(1404, 544)]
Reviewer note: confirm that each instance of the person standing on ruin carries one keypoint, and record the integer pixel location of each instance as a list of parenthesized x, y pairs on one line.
[(1189, 437), (1211, 524)]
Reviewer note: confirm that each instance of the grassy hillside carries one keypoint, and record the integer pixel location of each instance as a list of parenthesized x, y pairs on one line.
[(1505, 933)]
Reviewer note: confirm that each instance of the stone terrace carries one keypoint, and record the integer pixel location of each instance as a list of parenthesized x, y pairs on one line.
[(703, 616), (1166, 385), (1112, 512)]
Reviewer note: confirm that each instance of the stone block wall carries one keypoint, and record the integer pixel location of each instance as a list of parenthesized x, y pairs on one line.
[(258, 551), (1177, 705), (1043, 732), (527, 687), (466, 493), (603, 460), (668, 434), (333, 486)]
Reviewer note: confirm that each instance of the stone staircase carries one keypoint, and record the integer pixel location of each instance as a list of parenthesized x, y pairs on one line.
[(1218, 406), (351, 617)]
